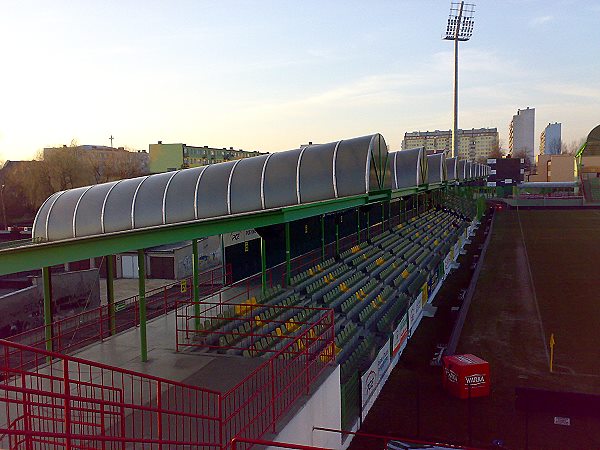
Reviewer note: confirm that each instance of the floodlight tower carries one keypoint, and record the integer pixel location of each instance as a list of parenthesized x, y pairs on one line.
[(460, 28)]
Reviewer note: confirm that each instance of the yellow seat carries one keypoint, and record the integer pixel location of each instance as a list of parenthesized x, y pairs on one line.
[(405, 274)]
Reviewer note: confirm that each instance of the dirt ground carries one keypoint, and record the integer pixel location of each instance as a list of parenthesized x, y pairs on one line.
[(541, 280)]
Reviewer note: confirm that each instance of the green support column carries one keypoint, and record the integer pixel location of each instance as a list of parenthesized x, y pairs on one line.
[(223, 262), (288, 259), (358, 225), (322, 238), (368, 225), (418, 196), (196, 283), (47, 307), (263, 265), (110, 293), (142, 304), (337, 237), (382, 217)]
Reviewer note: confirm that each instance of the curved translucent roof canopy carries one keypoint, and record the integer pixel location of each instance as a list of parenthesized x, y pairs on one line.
[(451, 169), (469, 172), (436, 168), (592, 145), (461, 169), (318, 172), (408, 168)]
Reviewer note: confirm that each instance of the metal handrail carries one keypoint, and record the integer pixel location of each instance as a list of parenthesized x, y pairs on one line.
[(387, 438), (239, 440)]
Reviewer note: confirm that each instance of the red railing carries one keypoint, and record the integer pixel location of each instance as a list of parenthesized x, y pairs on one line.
[(94, 325), (72, 403), (256, 404), (235, 444), (380, 441), (58, 401)]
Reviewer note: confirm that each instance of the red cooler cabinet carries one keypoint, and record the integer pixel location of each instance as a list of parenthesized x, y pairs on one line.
[(464, 371)]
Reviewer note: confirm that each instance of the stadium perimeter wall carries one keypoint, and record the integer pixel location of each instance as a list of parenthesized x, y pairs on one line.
[(322, 409)]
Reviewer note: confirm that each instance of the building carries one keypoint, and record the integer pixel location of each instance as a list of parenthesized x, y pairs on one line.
[(521, 133), (550, 139), (555, 168), (474, 144), (168, 157)]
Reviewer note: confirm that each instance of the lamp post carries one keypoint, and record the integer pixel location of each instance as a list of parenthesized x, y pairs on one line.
[(459, 28), (3, 208)]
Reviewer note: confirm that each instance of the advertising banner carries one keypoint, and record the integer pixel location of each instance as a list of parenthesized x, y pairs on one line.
[(456, 250), (448, 260), (239, 236), (415, 313), (373, 377), (400, 336)]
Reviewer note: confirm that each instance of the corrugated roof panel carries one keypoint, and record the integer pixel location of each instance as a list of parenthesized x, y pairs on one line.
[(319, 172), (408, 168), (451, 169), (88, 217), (245, 186), (436, 168)]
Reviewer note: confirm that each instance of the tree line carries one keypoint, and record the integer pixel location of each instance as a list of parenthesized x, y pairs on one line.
[(27, 184)]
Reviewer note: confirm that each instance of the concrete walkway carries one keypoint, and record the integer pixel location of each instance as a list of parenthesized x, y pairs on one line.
[(127, 288)]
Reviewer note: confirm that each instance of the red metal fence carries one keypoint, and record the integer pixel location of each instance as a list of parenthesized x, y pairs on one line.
[(57, 401), (94, 325), (73, 403), (379, 441)]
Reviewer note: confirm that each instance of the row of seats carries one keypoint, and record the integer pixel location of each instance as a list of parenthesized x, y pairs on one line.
[(353, 250), (311, 272), (347, 285), (352, 363), (275, 339), (326, 279), (360, 295), (398, 308), (364, 256), (345, 335), (255, 320)]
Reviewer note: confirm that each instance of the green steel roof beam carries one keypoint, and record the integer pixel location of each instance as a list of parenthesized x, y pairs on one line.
[(34, 256)]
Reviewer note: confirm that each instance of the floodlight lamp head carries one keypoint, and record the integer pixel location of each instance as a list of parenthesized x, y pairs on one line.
[(460, 21)]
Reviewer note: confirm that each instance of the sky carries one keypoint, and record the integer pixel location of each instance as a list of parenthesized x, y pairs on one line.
[(273, 74)]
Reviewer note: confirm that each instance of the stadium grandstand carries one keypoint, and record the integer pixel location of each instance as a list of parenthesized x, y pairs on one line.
[(355, 242)]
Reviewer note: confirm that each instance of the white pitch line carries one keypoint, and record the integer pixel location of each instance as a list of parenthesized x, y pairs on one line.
[(537, 307)]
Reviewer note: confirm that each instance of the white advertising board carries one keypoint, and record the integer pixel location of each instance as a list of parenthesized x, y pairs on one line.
[(415, 313), (448, 260), (239, 236), (400, 337), (374, 377)]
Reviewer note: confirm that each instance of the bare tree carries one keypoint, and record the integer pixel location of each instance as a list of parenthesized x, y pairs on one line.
[(573, 147)]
